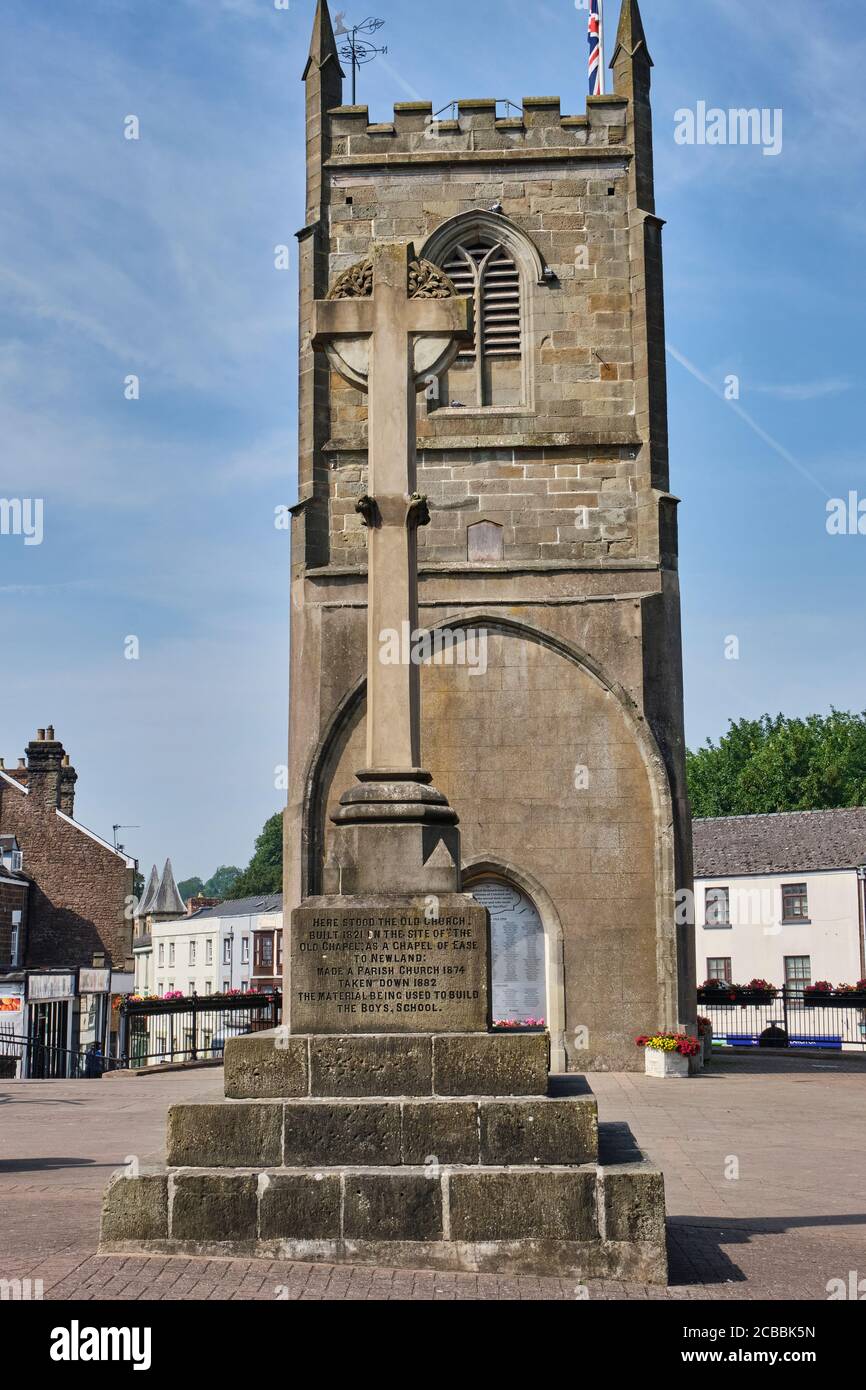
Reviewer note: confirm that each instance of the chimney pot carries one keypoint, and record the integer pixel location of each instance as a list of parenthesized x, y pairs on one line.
[(50, 733), (40, 735), (22, 762)]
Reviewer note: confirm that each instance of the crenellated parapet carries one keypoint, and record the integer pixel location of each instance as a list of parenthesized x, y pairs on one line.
[(478, 129)]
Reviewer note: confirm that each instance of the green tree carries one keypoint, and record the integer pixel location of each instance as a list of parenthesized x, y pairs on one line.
[(777, 764), (264, 873), (190, 888), (218, 884)]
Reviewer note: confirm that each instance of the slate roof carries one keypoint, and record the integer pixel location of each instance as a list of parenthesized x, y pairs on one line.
[(791, 842), (244, 907)]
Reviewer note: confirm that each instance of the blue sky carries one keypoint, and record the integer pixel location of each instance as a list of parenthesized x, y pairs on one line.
[(155, 257)]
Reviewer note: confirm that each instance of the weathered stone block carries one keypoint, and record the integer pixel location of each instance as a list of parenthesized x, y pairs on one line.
[(634, 1203), (523, 1205), (493, 1064), (372, 1065), (333, 1132), (230, 1135), (135, 1208), (444, 1130), (266, 1065), (385, 1206), (539, 1131), (210, 1207), (300, 1206)]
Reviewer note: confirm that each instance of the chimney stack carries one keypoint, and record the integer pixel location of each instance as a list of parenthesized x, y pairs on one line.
[(44, 764), (68, 778)]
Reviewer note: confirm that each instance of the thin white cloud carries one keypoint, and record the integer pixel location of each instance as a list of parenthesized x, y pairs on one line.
[(804, 390), (749, 420)]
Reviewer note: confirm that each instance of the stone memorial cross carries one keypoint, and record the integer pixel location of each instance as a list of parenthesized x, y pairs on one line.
[(387, 325)]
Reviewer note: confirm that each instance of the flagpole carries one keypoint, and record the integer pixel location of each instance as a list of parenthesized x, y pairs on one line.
[(601, 42)]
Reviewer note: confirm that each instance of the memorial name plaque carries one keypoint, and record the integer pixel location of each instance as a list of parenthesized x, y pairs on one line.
[(517, 951), (390, 965)]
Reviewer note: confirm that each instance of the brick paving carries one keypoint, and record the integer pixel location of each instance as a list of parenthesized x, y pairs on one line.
[(762, 1160)]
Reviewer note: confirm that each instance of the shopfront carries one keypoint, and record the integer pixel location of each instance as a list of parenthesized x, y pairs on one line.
[(50, 1000), (92, 1017), (12, 1030)]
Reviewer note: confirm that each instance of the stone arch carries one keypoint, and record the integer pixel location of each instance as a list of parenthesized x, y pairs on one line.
[(488, 866), (479, 225), (659, 851), (492, 224)]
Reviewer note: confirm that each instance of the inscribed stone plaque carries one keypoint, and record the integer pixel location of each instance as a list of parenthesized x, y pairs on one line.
[(390, 965), (517, 951)]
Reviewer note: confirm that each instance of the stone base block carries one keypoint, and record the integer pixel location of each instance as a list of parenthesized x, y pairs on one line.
[(328, 1133), (585, 1222), (282, 1065)]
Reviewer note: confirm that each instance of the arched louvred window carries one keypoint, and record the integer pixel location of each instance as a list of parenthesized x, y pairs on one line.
[(489, 369)]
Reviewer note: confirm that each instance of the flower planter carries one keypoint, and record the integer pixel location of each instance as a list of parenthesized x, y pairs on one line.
[(854, 999), (659, 1063), (736, 996)]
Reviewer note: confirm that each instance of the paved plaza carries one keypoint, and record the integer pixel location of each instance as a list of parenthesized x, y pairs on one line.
[(763, 1164)]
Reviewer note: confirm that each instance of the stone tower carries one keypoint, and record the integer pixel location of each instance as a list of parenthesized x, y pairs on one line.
[(543, 456)]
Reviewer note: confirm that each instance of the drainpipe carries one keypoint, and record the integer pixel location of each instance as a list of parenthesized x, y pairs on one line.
[(861, 900)]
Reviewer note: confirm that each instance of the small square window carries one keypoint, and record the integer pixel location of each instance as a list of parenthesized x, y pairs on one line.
[(795, 902), (717, 907), (719, 968)]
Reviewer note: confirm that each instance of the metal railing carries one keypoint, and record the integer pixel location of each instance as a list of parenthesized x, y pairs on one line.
[(789, 1021), (30, 1059), (193, 1029)]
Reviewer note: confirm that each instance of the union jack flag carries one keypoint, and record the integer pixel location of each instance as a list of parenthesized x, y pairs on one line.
[(595, 48)]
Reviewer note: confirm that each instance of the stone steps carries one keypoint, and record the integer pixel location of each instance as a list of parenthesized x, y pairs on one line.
[(585, 1221), (324, 1132), (425, 1151)]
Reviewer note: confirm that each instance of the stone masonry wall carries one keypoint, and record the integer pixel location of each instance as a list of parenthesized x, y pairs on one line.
[(78, 898), (568, 454), (587, 842)]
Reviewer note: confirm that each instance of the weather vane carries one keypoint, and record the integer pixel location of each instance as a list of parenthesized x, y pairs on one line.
[(358, 49)]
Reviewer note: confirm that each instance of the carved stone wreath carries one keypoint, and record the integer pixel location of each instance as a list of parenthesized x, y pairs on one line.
[(426, 281), (354, 283)]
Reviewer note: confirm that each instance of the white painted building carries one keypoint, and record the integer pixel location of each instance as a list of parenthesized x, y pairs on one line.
[(781, 897), (211, 951)]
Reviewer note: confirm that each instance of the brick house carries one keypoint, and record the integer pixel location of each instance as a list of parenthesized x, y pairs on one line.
[(78, 883), (14, 889)]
